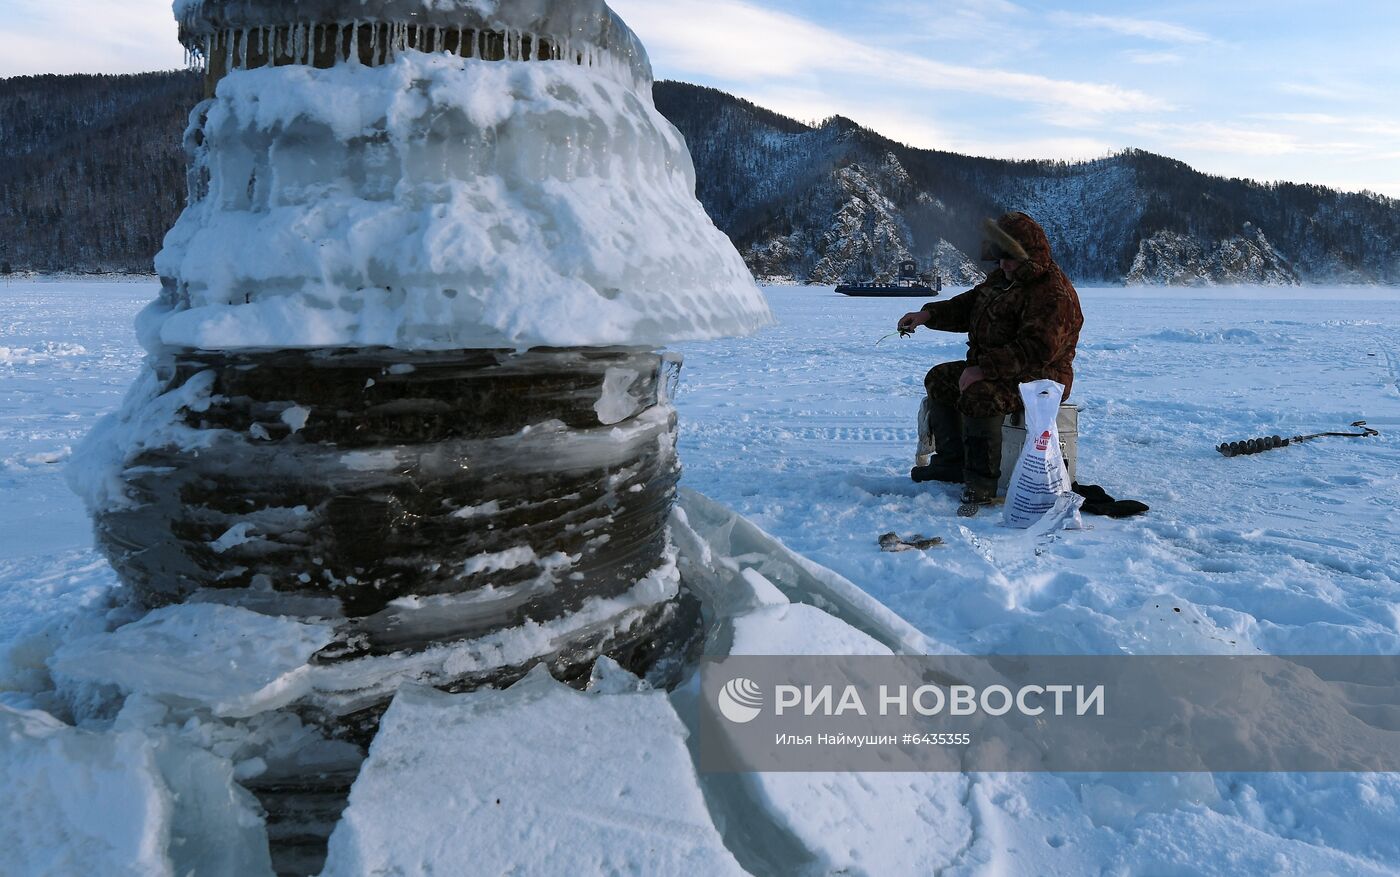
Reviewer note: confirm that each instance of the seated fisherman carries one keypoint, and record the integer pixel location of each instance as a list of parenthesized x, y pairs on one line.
[(1022, 324)]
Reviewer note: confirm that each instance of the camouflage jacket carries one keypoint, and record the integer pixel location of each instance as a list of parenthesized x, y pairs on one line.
[(1020, 328)]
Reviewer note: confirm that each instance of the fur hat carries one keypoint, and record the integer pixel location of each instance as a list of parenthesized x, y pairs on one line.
[(999, 245)]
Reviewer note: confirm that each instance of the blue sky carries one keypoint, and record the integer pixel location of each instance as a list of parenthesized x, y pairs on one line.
[(1270, 89)]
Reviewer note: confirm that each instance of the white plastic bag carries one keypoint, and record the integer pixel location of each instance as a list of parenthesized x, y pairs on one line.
[(1040, 477)]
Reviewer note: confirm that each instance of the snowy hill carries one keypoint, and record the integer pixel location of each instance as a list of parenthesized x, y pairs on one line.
[(92, 174), (838, 202)]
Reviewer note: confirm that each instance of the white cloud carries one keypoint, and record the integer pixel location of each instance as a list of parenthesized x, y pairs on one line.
[(94, 36), (1220, 138), (1387, 129), (739, 42), (1059, 148), (1254, 140), (1140, 57), (1340, 92), (1143, 28), (987, 22)]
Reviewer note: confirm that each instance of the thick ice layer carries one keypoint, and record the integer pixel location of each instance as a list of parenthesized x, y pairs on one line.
[(120, 803), (442, 203), (238, 663), (539, 779)]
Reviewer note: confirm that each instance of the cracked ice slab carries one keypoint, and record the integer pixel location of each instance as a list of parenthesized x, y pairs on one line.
[(234, 661), (535, 780), (776, 602), (120, 803)]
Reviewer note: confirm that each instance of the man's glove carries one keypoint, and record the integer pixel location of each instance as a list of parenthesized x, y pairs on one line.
[(910, 322)]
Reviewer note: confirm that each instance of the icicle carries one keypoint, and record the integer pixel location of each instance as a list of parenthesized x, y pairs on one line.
[(228, 50), (243, 48)]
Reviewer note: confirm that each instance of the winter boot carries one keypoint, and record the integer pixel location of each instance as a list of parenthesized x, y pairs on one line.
[(945, 423), (981, 463)]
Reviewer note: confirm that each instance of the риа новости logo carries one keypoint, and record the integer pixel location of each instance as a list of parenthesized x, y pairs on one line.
[(741, 701)]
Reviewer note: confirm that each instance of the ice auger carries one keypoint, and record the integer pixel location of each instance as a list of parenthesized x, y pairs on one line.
[(1271, 443)]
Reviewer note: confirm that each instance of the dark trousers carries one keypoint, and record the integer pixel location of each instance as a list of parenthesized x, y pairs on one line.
[(982, 399)]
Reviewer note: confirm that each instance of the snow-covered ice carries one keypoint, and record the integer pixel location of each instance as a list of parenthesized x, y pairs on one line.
[(808, 431), (539, 779)]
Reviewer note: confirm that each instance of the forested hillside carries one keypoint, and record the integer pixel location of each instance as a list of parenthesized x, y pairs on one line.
[(92, 173), (838, 201)]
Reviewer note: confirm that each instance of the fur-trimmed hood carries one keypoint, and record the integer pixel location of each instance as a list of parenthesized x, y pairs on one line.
[(1022, 238)]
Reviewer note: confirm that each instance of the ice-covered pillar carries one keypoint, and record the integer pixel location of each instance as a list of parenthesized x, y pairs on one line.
[(403, 371)]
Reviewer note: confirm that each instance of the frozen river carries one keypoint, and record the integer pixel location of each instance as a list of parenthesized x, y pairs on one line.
[(808, 429)]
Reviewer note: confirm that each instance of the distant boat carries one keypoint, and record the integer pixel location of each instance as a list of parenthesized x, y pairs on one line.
[(908, 284)]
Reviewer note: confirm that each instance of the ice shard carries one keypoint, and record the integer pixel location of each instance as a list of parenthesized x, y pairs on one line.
[(406, 371)]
